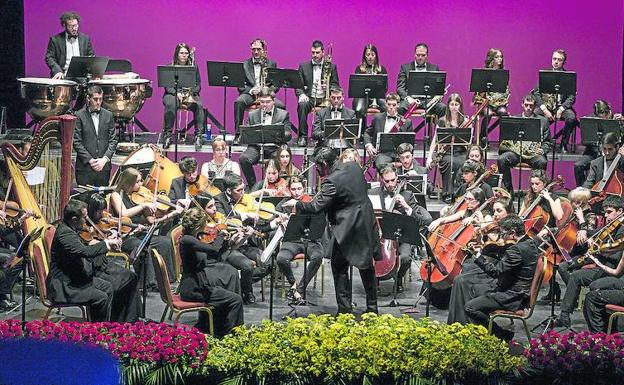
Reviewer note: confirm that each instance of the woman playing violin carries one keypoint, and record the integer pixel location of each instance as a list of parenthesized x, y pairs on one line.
[(276, 185), (550, 205), (205, 278), (130, 181), (474, 198), (220, 163), (283, 157)]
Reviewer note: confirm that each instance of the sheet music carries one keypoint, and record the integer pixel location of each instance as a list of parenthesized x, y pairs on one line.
[(376, 201), (35, 176)]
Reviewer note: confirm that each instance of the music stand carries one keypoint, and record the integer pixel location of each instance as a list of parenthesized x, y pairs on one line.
[(557, 82), (549, 323), (342, 129), (225, 74), (594, 129), (453, 137), (368, 86), (284, 78), (261, 135), (86, 67), (427, 84), (417, 184), (521, 130), (487, 80), (403, 229), (304, 228), (176, 77), (388, 142)]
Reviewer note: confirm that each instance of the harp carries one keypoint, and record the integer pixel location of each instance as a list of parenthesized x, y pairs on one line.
[(50, 159)]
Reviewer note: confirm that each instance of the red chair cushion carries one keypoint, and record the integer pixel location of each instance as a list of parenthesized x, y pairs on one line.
[(372, 111), (182, 305), (519, 313), (299, 257), (614, 308)]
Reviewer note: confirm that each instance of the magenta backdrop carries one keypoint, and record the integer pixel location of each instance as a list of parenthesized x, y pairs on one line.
[(458, 34)]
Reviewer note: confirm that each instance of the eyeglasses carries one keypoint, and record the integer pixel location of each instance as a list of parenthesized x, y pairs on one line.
[(529, 104)]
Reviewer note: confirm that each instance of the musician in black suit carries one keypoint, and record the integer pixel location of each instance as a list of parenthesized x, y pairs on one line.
[(508, 158), (514, 273), (67, 44), (72, 278), (383, 123), (546, 104), (189, 98), (354, 239), (255, 76), (406, 204), (267, 114), (420, 63), (336, 110), (314, 89), (94, 141), (178, 192), (369, 65), (610, 149)]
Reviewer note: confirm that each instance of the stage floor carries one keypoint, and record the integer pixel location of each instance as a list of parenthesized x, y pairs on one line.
[(323, 303)]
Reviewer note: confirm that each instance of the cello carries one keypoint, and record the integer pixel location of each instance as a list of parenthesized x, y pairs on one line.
[(534, 216), (390, 258), (612, 181), (450, 251)]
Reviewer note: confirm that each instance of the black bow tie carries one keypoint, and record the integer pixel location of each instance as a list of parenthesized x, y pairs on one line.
[(95, 112), (421, 66), (71, 38), (257, 63), (316, 64), (392, 117), (268, 113), (337, 109)]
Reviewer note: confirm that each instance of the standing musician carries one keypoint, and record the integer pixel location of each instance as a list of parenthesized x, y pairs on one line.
[(369, 65), (129, 184), (284, 160), (336, 110), (420, 63), (497, 101), (276, 185), (550, 205), (454, 117), (205, 278), (353, 233), (255, 79), (610, 149), (509, 152), (247, 257), (67, 44), (267, 114), (385, 122), (189, 98), (513, 273), (602, 110), (473, 281), (557, 106), (289, 250), (606, 262), (94, 141), (72, 277), (220, 163), (314, 74), (405, 203)]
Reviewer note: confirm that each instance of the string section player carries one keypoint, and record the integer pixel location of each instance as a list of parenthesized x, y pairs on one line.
[(335, 111)]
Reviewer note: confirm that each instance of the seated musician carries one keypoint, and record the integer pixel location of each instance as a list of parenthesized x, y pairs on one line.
[(350, 155), (454, 117), (586, 221), (403, 202), (276, 185), (179, 190), (220, 163), (470, 172), (10, 233), (255, 79), (183, 56), (513, 273), (539, 180), (314, 87), (606, 262), (408, 164), (597, 168), (475, 153), (420, 63), (557, 106), (384, 123), (336, 110), (205, 278), (510, 156), (497, 101), (72, 278), (247, 257), (284, 159), (126, 303), (267, 114), (474, 281), (369, 65), (471, 215), (289, 250), (121, 204), (95, 141), (602, 110)]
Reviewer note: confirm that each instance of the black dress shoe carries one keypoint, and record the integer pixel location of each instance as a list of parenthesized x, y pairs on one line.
[(549, 295), (249, 298), (198, 143), (302, 141)]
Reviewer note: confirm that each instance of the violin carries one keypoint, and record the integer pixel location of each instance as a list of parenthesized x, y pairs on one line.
[(108, 222), (248, 205), (203, 184), (603, 241), (144, 195), (12, 209), (280, 186)]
